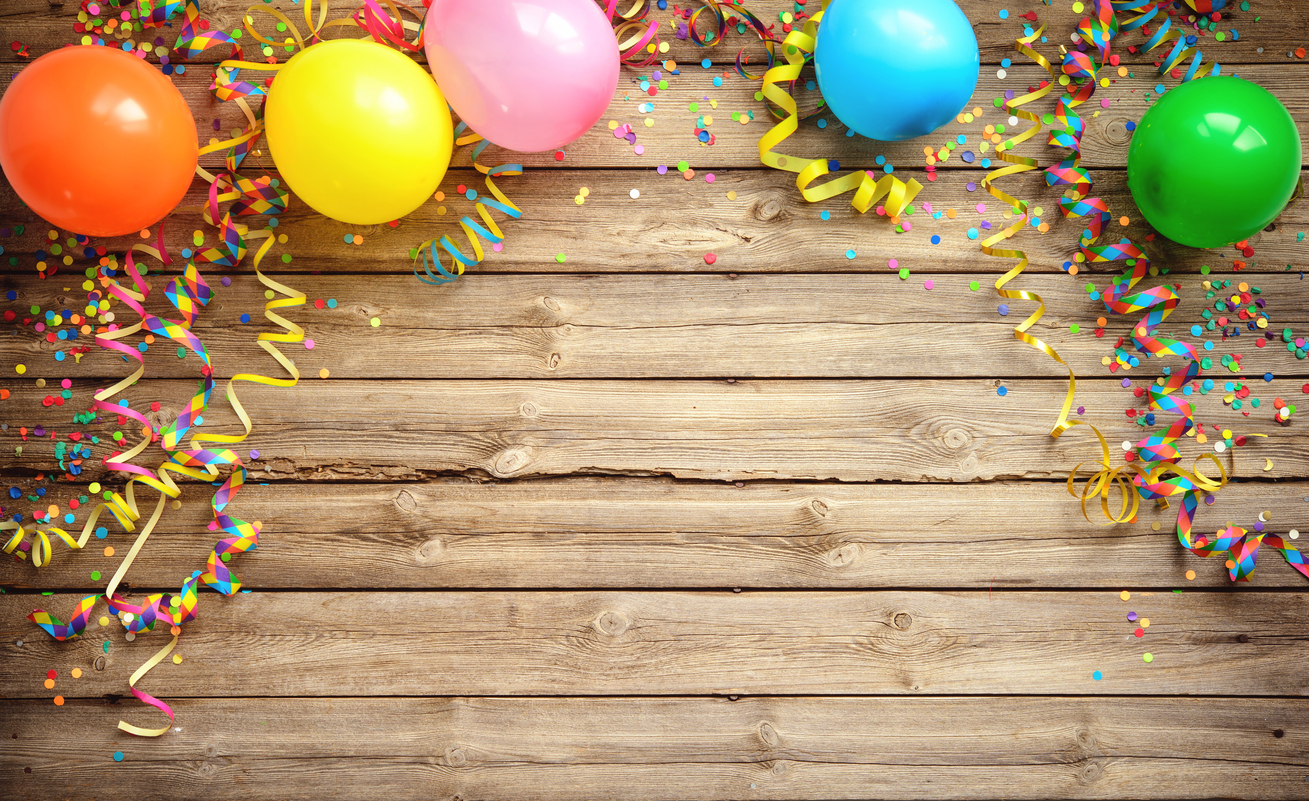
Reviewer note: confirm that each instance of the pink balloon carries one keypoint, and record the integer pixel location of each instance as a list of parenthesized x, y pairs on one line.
[(528, 75)]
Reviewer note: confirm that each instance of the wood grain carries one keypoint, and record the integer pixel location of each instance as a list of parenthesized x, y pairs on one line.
[(767, 228), (621, 533), (865, 430), (680, 748), (677, 326), (332, 644)]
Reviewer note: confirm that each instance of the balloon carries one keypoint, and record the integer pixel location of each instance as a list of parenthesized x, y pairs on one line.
[(895, 69), (359, 131), (525, 74), (97, 141), (1213, 161)]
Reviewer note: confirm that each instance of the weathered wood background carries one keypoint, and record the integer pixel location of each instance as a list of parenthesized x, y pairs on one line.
[(632, 525)]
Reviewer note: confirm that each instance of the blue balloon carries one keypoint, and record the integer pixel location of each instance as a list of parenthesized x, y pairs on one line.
[(895, 69)]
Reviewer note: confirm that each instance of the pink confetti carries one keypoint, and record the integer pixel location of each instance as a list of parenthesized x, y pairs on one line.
[(309, 344), (928, 284)]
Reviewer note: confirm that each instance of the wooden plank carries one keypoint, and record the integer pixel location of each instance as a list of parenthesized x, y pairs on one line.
[(684, 748), (619, 533), (908, 430), (44, 26), (672, 137), (680, 326), (767, 228), (676, 642)]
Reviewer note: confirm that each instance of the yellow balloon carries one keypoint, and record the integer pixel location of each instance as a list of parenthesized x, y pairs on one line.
[(359, 131)]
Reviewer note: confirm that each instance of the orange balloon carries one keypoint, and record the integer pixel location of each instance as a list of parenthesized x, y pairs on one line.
[(97, 141)]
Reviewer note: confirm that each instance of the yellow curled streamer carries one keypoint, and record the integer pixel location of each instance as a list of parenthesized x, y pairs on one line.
[(797, 45), (1108, 477), (149, 699)]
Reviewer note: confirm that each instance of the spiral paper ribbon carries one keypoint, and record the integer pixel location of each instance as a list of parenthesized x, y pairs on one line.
[(188, 294), (796, 49), (1162, 478), (472, 230), (1016, 165)]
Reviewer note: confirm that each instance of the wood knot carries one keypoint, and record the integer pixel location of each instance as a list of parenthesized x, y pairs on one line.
[(903, 621), (1094, 770), (969, 465), (767, 210), (1116, 133), (820, 508), (511, 460), (211, 751), (1278, 733), (1085, 739), (455, 757), (956, 438), (430, 552), (99, 663), (550, 303), (611, 623), (552, 361), (769, 735), (778, 768), (405, 501), (845, 555), (207, 770), (1243, 638), (529, 409)]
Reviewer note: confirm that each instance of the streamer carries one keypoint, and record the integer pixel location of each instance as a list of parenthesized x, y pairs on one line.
[(797, 48), (1161, 478), (188, 294)]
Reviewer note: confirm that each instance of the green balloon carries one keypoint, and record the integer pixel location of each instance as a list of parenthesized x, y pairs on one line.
[(1213, 161)]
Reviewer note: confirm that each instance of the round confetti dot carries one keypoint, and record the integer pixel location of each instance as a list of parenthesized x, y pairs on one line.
[(928, 284), (118, 756), (850, 254), (1148, 657), (710, 258), (49, 684), (375, 322), (1190, 575), (59, 700), (109, 550), (1145, 622), (634, 194), (309, 344), (323, 373), (77, 673), (1097, 675), (1125, 595), (104, 621), (177, 659), (1002, 391)]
